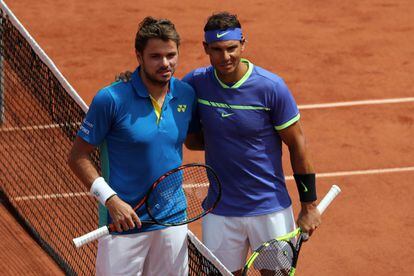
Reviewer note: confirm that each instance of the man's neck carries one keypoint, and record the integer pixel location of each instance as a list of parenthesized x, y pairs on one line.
[(156, 90), (235, 76)]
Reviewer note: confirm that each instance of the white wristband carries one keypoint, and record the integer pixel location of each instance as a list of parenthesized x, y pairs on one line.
[(101, 190)]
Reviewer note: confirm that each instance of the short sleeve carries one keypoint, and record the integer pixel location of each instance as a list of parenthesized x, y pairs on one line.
[(284, 111), (98, 120), (189, 78)]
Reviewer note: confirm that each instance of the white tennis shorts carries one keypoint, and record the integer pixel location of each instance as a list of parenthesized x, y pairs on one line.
[(229, 238), (160, 252)]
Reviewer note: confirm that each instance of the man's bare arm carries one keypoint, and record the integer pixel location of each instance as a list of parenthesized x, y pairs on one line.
[(81, 164), (309, 217), (123, 216)]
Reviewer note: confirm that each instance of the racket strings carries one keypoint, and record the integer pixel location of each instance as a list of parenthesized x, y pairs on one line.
[(183, 195), (275, 259)]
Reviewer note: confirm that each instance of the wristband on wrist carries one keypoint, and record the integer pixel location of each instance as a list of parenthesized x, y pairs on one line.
[(306, 186), (101, 190)]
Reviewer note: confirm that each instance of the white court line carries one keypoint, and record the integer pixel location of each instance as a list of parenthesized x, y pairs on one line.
[(52, 196), (304, 106), (353, 103), (39, 127), (66, 195), (362, 172), (290, 177)]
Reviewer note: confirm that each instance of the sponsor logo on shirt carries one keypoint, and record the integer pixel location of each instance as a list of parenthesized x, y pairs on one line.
[(84, 130), (89, 124), (225, 115), (181, 107)]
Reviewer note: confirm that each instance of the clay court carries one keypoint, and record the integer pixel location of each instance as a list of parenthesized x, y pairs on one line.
[(349, 65)]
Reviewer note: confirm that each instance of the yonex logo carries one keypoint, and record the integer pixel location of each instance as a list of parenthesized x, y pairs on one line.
[(222, 34), (181, 107), (224, 115)]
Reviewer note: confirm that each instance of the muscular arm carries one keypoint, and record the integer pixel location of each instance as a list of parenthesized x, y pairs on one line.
[(309, 217), (81, 164), (79, 161), (295, 140)]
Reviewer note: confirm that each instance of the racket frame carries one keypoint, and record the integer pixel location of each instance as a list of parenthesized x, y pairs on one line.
[(107, 229), (323, 204), (210, 173)]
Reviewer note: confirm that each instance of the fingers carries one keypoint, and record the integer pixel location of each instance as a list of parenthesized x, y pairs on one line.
[(124, 76), (309, 230), (131, 221), (309, 218), (136, 220), (306, 234), (118, 227), (127, 223), (123, 216), (308, 222)]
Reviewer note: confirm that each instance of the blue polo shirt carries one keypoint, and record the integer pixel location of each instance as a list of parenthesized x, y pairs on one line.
[(136, 146), (240, 124)]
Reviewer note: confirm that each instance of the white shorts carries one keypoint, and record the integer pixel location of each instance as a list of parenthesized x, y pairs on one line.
[(160, 252), (229, 238)]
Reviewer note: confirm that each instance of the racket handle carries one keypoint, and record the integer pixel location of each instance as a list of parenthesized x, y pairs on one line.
[(324, 203), (328, 198), (91, 236)]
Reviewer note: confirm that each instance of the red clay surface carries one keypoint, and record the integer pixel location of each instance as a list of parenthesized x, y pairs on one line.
[(327, 51)]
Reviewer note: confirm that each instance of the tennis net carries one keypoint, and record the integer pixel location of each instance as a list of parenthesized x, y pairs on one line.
[(40, 114)]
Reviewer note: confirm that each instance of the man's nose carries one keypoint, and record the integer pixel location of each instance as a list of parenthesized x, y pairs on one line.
[(226, 55), (165, 61)]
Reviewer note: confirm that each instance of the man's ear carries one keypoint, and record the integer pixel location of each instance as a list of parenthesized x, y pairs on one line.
[(243, 43), (139, 56), (205, 45)]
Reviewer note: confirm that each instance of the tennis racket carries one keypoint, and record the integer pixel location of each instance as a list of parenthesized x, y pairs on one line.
[(279, 256), (178, 197)]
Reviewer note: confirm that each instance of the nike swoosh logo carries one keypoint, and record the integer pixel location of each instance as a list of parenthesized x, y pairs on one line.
[(222, 34), (224, 115), (304, 187)]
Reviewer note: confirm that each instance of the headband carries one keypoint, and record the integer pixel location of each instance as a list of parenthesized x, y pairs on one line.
[(221, 35)]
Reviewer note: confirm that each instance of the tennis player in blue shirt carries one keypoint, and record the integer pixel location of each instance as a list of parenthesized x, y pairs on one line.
[(140, 127), (246, 113)]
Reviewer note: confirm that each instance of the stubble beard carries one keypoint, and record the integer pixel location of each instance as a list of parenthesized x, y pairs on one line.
[(154, 80)]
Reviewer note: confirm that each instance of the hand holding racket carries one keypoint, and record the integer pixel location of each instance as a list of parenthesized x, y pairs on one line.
[(178, 197), (279, 256)]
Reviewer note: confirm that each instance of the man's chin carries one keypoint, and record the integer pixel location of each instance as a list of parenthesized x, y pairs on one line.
[(160, 80), (225, 70), (165, 76)]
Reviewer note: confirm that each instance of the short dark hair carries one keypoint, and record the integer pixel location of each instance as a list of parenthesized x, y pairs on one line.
[(155, 28), (221, 21)]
